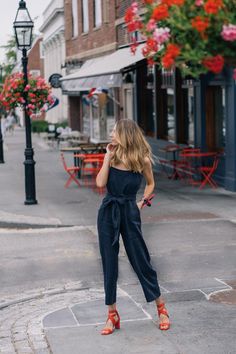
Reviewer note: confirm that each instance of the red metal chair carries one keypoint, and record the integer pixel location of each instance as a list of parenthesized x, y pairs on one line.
[(185, 164), (72, 171), (90, 165), (207, 173)]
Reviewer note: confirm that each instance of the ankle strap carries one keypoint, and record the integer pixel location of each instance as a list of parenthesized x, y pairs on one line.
[(112, 311), (162, 310)]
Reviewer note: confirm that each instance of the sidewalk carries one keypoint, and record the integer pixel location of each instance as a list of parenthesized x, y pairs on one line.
[(52, 297)]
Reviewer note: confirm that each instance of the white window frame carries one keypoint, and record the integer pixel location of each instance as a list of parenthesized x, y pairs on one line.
[(75, 20), (97, 13), (85, 13)]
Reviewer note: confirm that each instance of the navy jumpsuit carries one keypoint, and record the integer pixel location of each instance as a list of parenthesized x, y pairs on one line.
[(119, 214)]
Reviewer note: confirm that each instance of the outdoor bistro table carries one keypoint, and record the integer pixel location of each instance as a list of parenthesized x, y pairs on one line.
[(199, 161), (83, 149), (173, 149)]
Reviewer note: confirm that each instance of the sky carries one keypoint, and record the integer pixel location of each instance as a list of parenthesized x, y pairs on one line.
[(8, 13)]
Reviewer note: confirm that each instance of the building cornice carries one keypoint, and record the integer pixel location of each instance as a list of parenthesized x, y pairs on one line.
[(54, 14), (94, 52)]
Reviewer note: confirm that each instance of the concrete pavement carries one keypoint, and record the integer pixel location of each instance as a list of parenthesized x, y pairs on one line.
[(52, 289)]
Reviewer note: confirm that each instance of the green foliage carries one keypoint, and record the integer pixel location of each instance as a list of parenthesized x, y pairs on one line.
[(39, 126), (10, 56)]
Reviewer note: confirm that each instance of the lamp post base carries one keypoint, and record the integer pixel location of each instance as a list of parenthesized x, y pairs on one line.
[(30, 194), (31, 202), (1, 144)]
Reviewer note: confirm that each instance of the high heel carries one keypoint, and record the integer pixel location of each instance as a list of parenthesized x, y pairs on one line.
[(161, 309), (116, 323)]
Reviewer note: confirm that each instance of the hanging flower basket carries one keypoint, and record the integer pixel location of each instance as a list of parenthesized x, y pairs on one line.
[(195, 36), (39, 94)]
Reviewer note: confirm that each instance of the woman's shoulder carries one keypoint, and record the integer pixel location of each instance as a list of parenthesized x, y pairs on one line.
[(147, 162)]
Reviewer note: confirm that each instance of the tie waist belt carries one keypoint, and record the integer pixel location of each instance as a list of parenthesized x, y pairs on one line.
[(115, 202)]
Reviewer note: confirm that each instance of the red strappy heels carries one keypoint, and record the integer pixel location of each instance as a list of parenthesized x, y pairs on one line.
[(161, 309), (116, 322)]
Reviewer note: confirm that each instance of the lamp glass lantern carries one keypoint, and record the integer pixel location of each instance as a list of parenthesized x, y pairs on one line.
[(23, 26)]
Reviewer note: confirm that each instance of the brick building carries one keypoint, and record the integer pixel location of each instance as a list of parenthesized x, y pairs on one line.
[(170, 109), (97, 56), (35, 58)]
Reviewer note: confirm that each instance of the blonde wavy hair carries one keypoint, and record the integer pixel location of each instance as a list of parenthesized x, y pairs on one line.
[(132, 147)]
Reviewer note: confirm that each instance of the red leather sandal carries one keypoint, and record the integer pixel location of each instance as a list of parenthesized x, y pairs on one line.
[(116, 323), (161, 309)]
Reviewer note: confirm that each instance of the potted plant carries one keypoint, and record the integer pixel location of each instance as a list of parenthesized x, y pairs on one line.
[(195, 36), (38, 93)]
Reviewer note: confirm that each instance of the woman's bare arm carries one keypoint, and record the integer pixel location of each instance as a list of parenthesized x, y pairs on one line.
[(102, 176), (150, 184)]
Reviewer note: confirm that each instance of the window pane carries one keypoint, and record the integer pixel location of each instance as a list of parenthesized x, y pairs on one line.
[(75, 27), (190, 130), (85, 16), (220, 117), (97, 13), (170, 115)]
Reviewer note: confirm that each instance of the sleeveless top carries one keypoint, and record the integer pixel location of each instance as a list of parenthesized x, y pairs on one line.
[(122, 187)]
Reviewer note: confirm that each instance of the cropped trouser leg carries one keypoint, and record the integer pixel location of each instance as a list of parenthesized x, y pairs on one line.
[(109, 255), (139, 258)]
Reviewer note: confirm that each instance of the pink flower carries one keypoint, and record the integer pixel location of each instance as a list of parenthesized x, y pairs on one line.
[(199, 2), (134, 7), (151, 25), (161, 35), (229, 32)]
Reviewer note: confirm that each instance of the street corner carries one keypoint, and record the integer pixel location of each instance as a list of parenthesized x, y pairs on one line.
[(21, 320), (76, 329)]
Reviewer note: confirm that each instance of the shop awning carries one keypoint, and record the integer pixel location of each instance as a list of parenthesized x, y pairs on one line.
[(104, 71)]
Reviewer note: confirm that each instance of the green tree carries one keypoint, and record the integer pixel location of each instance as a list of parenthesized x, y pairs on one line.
[(10, 56)]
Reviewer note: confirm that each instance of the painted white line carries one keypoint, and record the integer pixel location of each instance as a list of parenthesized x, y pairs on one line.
[(69, 326), (136, 303), (73, 315), (166, 290), (97, 323), (222, 282), (203, 293)]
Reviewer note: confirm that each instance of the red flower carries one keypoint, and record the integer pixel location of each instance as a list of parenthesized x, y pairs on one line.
[(213, 6), (214, 64), (149, 2), (172, 51), (167, 61), (160, 12), (173, 2), (200, 23), (129, 15)]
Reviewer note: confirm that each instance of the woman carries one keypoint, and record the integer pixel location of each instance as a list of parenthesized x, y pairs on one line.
[(127, 159)]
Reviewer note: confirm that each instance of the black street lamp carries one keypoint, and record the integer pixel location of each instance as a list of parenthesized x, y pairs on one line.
[(23, 26), (1, 137)]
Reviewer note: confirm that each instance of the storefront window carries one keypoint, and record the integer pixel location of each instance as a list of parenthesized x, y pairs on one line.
[(190, 120), (215, 117), (220, 117), (170, 115), (98, 115)]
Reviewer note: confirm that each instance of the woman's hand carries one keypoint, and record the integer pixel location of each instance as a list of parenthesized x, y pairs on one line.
[(110, 150), (140, 204)]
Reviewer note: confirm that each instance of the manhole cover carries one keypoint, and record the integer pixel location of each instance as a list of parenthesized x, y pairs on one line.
[(227, 296), (224, 297)]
